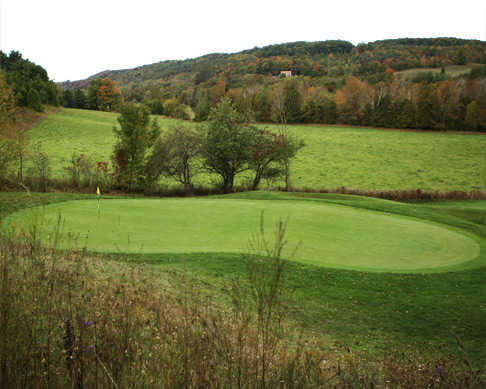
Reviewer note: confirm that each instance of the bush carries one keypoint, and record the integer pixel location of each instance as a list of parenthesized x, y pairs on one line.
[(39, 173)]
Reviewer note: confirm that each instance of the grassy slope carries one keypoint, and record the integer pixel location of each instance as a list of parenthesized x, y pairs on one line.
[(333, 156), (368, 311)]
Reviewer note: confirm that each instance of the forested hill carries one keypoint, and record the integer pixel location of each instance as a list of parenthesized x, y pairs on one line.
[(436, 83), (332, 61)]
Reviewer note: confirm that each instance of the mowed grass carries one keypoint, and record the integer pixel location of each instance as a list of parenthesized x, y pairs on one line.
[(368, 312), (330, 235), (358, 158)]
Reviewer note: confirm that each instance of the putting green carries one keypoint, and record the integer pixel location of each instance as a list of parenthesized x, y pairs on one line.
[(330, 235)]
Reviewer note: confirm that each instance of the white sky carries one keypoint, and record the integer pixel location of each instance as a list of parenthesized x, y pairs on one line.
[(74, 39)]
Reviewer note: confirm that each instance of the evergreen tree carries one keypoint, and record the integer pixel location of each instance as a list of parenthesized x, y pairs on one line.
[(68, 99), (79, 99)]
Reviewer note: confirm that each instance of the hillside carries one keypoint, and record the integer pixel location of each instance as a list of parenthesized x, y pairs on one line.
[(333, 60), (434, 84)]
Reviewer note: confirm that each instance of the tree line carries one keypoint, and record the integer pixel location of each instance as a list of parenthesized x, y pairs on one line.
[(432, 101), (102, 95)]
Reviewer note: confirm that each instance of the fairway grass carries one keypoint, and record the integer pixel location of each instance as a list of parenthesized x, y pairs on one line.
[(358, 158), (329, 235)]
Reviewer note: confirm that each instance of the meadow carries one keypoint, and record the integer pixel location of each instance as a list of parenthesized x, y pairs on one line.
[(359, 158)]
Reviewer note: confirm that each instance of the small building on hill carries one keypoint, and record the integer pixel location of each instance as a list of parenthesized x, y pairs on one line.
[(286, 73)]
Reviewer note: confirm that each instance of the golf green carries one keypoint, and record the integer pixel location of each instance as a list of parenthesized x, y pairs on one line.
[(329, 235)]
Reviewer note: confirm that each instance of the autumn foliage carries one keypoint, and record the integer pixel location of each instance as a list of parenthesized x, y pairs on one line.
[(104, 95)]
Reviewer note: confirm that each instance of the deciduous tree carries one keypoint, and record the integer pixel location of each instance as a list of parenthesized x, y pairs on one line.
[(227, 143), (270, 153), (103, 95), (176, 154), (351, 100), (135, 136)]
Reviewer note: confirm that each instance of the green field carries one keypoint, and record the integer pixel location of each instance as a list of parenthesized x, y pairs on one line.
[(369, 311), (331, 235), (333, 156), (369, 273), (451, 70)]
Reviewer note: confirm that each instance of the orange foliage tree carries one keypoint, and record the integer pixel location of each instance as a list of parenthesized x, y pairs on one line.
[(109, 96), (351, 100)]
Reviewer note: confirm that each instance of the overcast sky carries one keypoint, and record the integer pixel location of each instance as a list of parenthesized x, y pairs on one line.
[(74, 39)]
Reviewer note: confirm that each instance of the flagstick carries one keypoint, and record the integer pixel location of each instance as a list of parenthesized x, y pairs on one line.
[(98, 194)]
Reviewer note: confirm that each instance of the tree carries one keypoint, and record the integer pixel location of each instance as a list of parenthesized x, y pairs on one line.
[(134, 138), (109, 96), (351, 100), (176, 155), (68, 99), (263, 106), (448, 102), (40, 169), (472, 116), (227, 143), (270, 154), (93, 90), (292, 101), (103, 95), (217, 92), (203, 108), (79, 99), (7, 119), (428, 114)]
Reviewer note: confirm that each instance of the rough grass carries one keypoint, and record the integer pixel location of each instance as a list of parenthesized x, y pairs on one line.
[(73, 320), (368, 312), (333, 156)]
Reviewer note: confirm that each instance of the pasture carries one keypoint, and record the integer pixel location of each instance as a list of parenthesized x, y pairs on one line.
[(358, 158)]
